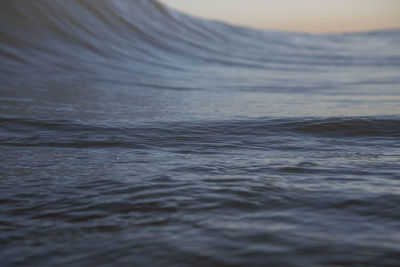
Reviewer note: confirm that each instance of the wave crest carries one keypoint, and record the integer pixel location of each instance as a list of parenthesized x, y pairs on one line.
[(199, 136), (144, 43)]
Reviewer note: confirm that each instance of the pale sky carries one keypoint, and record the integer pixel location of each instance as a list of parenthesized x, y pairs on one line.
[(298, 15)]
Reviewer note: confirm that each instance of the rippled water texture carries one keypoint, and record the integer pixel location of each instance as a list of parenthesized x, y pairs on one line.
[(135, 135)]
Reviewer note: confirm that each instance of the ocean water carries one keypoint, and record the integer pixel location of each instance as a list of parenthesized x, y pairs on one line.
[(134, 135)]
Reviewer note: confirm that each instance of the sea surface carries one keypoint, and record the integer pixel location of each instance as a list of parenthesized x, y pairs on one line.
[(135, 135)]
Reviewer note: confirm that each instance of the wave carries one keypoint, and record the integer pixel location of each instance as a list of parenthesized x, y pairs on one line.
[(120, 117), (127, 58), (143, 42), (238, 134)]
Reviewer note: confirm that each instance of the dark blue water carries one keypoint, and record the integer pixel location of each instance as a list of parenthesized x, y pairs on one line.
[(135, 135)]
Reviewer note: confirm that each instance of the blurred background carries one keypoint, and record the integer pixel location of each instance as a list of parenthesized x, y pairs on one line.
[(299, 15)]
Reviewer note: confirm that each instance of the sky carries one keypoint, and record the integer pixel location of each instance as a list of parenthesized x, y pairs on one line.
[(298, 15)]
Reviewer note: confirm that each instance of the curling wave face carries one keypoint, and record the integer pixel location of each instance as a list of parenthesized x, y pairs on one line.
[(140, 43)]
